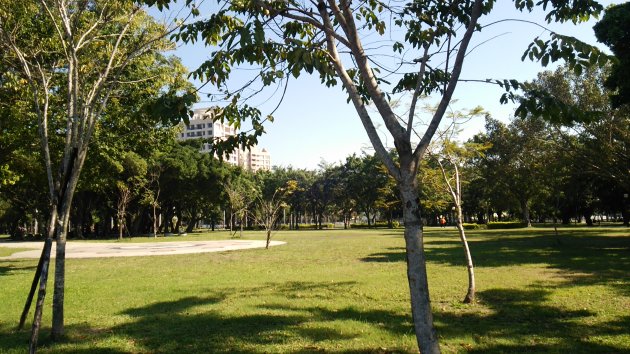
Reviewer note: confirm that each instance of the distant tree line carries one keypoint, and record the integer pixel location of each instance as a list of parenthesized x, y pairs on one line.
[(145, 182)]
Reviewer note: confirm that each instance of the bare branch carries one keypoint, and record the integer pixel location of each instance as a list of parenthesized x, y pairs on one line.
[(448, 94), (416, 92), (356, 100)]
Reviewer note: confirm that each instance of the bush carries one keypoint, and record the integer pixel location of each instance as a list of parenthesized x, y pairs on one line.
[(311, 226), (376, 225), (474, 226), (505, 225)]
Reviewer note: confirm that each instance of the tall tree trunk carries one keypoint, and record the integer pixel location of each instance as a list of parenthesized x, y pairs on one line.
[(58, 329), (525, 209), (74, 165), (416, 269), (154, 208)]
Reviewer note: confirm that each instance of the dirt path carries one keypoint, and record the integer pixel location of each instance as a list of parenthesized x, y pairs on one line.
[(97, 249)]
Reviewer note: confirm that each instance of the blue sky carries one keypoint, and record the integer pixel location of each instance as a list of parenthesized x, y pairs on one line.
[(314, 123)]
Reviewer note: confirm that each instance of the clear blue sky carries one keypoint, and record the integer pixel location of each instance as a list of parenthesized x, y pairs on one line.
[(315, 123)]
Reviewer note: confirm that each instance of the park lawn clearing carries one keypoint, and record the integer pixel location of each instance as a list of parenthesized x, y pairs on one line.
[(342, 291)]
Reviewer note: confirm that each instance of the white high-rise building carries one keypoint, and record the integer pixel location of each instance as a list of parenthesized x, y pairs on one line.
[(203, 126), (254, 159)]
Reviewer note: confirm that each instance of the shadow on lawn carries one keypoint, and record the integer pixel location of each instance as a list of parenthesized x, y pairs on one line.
[(10, 269), (176, 326), (520, 316), (584, 257)]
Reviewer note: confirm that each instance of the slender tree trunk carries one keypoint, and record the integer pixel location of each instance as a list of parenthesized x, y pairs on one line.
[(456, 193), (470, 295), (416, 269), (121, 222), (526, 218), (58, 329), (39, 307), (74, 164), (43, 259), (268, 237), (154, 208), (50, 232)]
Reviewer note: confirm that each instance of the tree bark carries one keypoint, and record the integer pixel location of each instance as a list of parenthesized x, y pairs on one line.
[(39, 307), (426, 334), (526, 218), (44, 258), (72, 170), (58, 329), (470, 294)]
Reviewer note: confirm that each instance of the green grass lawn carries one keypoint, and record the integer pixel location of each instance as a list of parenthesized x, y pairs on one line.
[(342, 291), (5, 251)]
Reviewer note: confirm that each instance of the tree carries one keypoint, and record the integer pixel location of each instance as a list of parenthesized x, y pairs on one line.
[(612, 30), (450, 159), (268, 212), (596, 147), (365, 175), (515, 164), (73, 56), (241, 193), (285, 38), (133, 171)]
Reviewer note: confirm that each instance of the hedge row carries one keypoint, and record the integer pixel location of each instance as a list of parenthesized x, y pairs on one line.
[(376, 225), (505, 225), (474, 226), (286, 227), (495, 225)]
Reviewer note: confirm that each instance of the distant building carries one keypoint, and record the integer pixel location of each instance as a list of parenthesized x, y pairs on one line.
[(254, 159), (203, 126)]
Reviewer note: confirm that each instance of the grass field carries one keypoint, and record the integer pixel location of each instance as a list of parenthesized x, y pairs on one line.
[(342, 291)]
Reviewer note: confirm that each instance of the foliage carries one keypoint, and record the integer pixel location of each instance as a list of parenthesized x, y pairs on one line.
[(515, 163), (376, 225), (474, 226), (495, 225), (592, 157), (612, 30)]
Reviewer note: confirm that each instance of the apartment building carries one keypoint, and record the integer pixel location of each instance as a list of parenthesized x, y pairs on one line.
[(254, 159), (203, 126)]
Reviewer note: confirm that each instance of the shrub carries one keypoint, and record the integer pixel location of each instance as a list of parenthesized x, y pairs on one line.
[(474, 226), (376, 225), (506, 225), (315, 226)]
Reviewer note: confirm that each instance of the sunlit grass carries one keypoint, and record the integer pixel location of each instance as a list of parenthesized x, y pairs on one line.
[(342, 291), (6, 252)]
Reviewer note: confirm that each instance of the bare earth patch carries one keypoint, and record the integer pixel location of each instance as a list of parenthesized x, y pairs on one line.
[(96, 249)]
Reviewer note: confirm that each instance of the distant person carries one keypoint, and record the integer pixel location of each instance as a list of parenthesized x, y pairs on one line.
[(442, 221)]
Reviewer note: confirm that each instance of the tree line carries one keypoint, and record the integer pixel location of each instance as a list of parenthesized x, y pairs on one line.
[(528, 170)]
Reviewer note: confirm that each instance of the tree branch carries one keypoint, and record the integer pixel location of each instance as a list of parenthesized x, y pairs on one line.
[(448, 94)]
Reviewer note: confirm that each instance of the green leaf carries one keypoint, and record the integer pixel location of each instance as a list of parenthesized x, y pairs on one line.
[(545, 60)]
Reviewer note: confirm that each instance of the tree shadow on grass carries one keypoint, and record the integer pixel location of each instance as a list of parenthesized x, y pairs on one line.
[(393, 254), (584, 259), (10, 269), (520, 316), (179, 327)]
